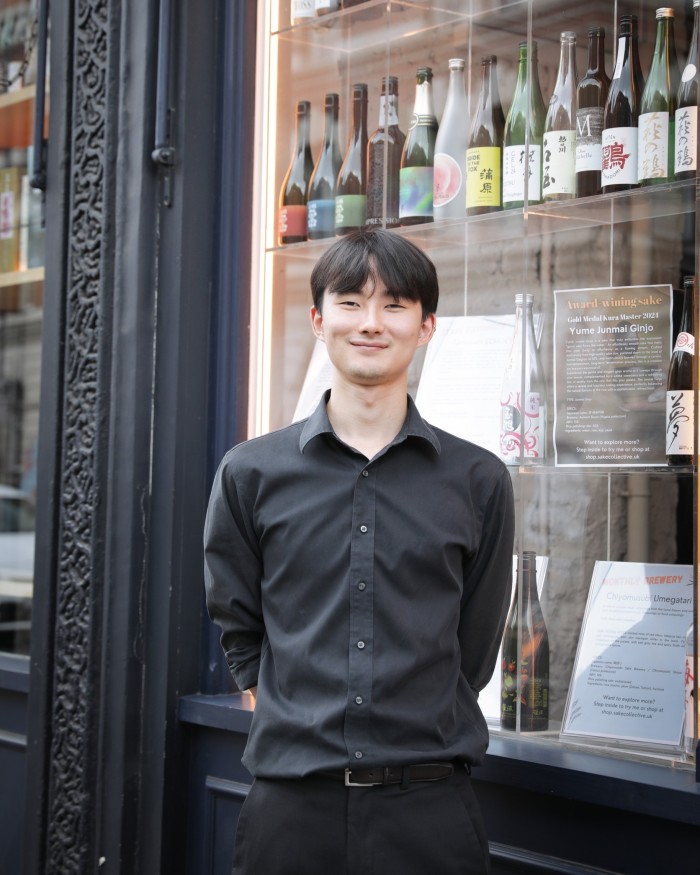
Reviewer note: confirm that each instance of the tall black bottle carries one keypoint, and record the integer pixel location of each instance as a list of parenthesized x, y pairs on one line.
[(384, 159), (621, 120), (592, 95), (686, 120), (680, 387)]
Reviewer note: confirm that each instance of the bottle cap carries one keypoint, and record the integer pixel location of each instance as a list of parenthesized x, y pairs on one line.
[(628, 23), (303, 107), (491, 59), (456, 63), (359, 90), (529, 560), (424, 73), (568, 36), (594, 31), (524, 298), (665, 12)]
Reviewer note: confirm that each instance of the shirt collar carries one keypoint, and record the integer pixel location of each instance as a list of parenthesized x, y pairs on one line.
[(414, 425)]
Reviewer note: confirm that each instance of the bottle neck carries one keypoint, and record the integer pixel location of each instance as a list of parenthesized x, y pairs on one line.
[(330, 125), (567, 63), (302, 133), (389, 110), (693, 49), (664, 38), (455, 88), (359, 118), (487, 77), (596, 53), (687, 320), (424, 99)]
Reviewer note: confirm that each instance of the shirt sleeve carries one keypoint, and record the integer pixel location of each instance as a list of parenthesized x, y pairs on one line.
[(232, 576), (487, 587)]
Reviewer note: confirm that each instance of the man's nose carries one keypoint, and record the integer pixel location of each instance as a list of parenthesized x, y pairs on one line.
[(372, 319)]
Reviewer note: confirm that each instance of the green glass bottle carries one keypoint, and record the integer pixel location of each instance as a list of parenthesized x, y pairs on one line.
[(351, 188), (524, 126), (418, 155), (658, 107)]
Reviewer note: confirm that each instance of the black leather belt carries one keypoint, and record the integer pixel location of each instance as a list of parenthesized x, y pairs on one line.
[(382, 775)]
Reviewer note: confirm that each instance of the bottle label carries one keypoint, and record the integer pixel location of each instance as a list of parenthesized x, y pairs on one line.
[(320, 216), (350, 210), (521, 427), (686, 138), (447, 179), (558, 163), (514, 173), (685, 343), (652, 161), (589, 133), (484, 177), (415, 192), (680, 412), (619, 156), (292, 221)]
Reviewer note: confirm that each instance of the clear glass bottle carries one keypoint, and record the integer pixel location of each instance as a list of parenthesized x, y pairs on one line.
[(351, 189), (525, 660), (680, 387), (559, 140), (449, 196), (591, 96), (485, 147), (384, 152), (291, 217), (620, 126), (418, 155), (524, 129), (686, 119), (523, 393), (658, 107), (320, 209)]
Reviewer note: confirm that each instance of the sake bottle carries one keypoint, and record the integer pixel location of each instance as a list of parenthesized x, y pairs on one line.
[(657, 111), (450, 149), (680, 386), (320, 209), (523, 393), (522, 153), (620, 125), (351, 188), (291, 216), (485, 147), (384, 159), (302, 10), (417, 157), (686, 120), (525, 655), (591, 96), (558, 143)]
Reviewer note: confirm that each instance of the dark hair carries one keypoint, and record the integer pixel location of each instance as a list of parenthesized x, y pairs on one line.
[(376, 254)]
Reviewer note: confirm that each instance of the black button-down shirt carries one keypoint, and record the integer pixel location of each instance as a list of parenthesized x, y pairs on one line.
[(366, 599)]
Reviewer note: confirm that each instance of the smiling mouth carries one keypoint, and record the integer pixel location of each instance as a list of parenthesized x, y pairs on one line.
[(359, 344)]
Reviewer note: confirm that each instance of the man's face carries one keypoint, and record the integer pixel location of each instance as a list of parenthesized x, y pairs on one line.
[(371, 336)]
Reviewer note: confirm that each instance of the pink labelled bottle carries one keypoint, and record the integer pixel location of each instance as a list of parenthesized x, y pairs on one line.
[(523, 393), (449, 166), (291, 217)]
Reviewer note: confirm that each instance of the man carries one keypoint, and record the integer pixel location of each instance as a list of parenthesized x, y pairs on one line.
[(359, 566)]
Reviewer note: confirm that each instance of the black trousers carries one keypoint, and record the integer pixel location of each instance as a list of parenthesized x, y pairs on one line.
[(318, 826)]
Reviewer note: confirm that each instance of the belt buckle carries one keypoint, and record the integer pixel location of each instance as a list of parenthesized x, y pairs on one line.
[(349, 783)]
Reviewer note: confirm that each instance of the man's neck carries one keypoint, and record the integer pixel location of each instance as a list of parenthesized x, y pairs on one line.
[(367, 418)]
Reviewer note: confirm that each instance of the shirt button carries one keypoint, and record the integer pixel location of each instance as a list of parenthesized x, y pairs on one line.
[(358, 699), (363, 529), (361, 585), (358, 754), (365, 473), (361, 644)]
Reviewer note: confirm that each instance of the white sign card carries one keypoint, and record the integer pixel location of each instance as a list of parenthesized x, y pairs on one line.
[(628, 679), (490, 696)]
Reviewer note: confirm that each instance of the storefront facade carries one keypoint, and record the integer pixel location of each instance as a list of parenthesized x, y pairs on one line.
[(173, 324)]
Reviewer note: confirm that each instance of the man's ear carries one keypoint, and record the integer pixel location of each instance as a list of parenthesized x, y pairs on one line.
[(317, 323), (427, 329)]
